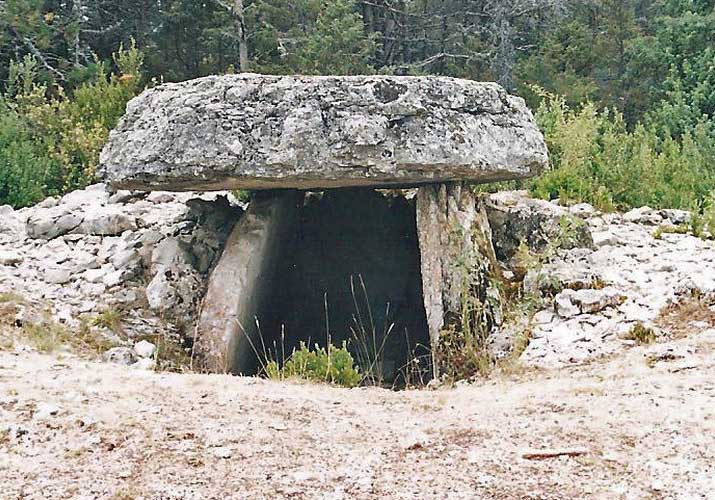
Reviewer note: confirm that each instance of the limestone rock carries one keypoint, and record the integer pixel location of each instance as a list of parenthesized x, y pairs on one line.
[(57, 276), (248, 263), (267, 132), (120, 356), (53, 222), (8, 220), (10, 258), (175, 292), (457, 262), (144, 349), (516, 218)]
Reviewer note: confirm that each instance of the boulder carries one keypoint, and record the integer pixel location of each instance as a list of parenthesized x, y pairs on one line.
[(241, 283), (10, 258), (515, 219), (458, 262), (268, 132)]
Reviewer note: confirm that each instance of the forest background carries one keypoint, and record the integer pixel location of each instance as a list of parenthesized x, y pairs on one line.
[(624, 90)]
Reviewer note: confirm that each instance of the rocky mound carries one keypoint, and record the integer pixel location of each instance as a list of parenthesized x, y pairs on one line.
[(148, 256), (93, 252)]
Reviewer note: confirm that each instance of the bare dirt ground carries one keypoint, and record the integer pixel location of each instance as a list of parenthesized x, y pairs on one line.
[(75, 429)]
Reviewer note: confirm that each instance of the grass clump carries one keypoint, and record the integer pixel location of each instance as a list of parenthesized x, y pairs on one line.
[(110, 319), (16, 298), (641, 334), (332, 365)]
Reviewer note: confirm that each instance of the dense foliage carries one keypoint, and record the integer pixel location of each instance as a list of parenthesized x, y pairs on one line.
[(625, 89)]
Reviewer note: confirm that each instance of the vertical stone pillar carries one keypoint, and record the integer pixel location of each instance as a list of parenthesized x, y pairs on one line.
[(242, 281), (458, 264)]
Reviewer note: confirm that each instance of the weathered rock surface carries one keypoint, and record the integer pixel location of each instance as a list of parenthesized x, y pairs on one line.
[(515, 219), (93, 251), (268, 132), (458, 263), (244, 278), (642, 276)]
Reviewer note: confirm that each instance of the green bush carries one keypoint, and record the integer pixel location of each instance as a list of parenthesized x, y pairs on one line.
[(334, 365), (26, 170), (50, 140), (596, 159)]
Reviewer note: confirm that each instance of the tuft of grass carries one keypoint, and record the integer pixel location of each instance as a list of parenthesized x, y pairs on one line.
[(11, 297), (641, 334), (46, 337), (110, 319), (368, 344)]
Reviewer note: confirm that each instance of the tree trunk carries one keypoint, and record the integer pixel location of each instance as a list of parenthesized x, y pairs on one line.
[(241, 35)]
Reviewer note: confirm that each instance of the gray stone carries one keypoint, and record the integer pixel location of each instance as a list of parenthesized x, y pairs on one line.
[(57, 276), (563, 303), (267, 132), (10, 258), (144, 364), (171, 251), (50, 202), (591, 301), (144, 349), (249, 261), (643, 215), (515, 219), (121, 196), (120, 356), (457, 258), (53, 222), (175, 292), (106, 221), (160, 197), (92, 196)]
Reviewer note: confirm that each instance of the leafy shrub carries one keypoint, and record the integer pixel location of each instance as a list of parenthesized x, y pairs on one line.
[(334, 365), (596, 159), (641, 334), (51, 140), (26, 170)]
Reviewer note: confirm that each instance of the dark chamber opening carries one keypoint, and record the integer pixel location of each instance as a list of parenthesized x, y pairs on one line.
[(352, 268)]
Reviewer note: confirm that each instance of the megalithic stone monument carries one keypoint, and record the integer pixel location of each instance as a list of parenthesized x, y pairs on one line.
[(288, 135)]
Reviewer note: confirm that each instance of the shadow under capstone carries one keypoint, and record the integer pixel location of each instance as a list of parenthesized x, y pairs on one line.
[(318, 267)]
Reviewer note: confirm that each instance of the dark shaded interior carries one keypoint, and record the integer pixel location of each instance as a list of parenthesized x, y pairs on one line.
[(352, 268)]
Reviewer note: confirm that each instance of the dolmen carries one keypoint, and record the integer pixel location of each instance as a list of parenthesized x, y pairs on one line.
[(363, 224)]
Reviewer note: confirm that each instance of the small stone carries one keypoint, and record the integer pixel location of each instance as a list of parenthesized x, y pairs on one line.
[(120, 356), (10, 258), (57, 276), (144, 349), (96, 275), (50, 202), (582, 210), (121, 196), (564, 306), (114, 278), (543, 317), (146, 364), (45, 410), (160, 197), (223, 452)]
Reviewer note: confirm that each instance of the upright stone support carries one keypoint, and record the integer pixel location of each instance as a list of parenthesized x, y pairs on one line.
[(242, 282), (458, 264)]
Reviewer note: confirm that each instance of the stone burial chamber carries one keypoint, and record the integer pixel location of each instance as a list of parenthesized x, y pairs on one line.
[(361, 221)]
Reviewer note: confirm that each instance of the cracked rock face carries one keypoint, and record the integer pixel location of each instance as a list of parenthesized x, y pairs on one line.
[(267, 132)]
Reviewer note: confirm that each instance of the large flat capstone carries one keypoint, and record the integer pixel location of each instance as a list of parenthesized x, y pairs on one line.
[(266, 132)]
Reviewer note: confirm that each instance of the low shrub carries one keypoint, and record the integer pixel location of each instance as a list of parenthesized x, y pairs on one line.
[(50, 140), (596, 159), (332, 365)]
